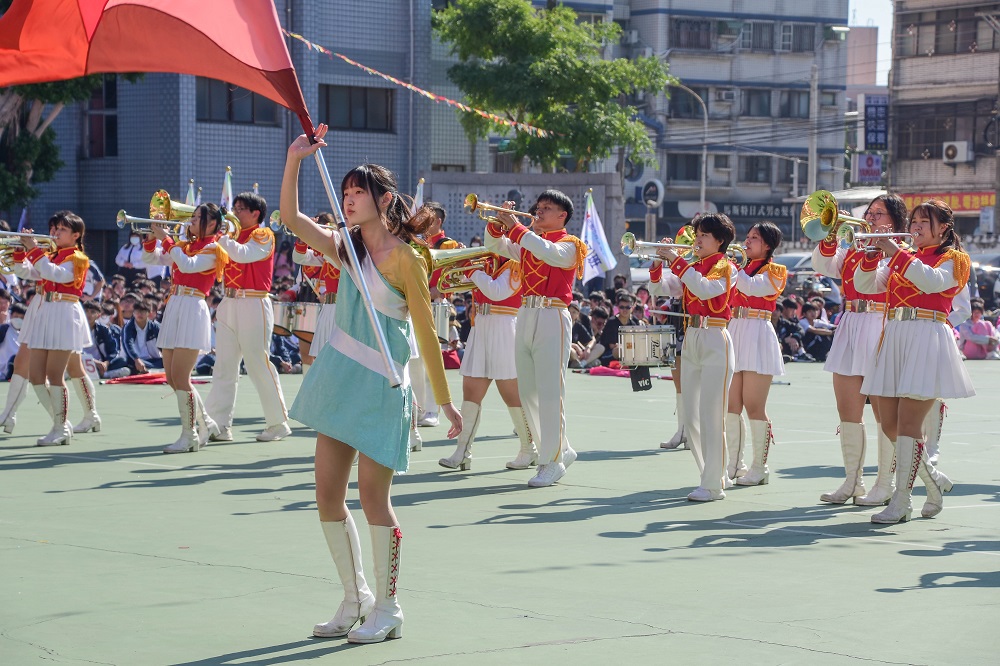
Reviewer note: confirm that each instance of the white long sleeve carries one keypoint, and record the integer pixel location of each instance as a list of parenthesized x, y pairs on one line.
[(308, 258), (199, 263), (703, 288), (931, 280), (872, 282), (246, 253), (961, 308), (759, 285), (155, 258), (669, 285), (503, 246), (62, 273), (25, 271), (829, 266), (559, 254), (495, 289)]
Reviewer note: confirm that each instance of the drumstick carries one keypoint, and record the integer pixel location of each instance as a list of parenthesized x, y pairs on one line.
[(312, 285), (668, 312)]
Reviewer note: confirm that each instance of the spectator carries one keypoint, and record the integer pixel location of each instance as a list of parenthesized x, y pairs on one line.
[(105, 349), (582, 338), (126, 306), (93, 285), (476, 241), (139, 339), (10, 339), (284, 356), (609, 337), (118, 285), (977, 337), (790, 334), (4, 307), (817, 335), (619, 284), (129, 259)]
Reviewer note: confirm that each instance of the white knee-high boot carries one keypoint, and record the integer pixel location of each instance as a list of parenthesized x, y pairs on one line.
[(885, 484), (386, 620), (909, 454), (15, 394), (85, 392), (416, 442), (763, 437), (345, 546), (680, 437), (207, 428), (527, 455), (933, 424), (462, 457), (936, 482), (735, 436), (42, 391), (62, 431), (187, 406), (852, 446)]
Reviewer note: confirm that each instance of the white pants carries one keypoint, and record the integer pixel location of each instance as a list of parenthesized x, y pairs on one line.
[(243, 332), (706, 373), (423, 392), (541, 353)]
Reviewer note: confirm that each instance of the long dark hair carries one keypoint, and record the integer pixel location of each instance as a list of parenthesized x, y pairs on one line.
[(71, 221), (896, 208), (377, 181), (942, 213), (772, 236), (211, 213)]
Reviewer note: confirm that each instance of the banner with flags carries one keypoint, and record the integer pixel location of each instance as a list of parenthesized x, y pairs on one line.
[(418, 197), (226, 201), (190, 198), (600, 259)]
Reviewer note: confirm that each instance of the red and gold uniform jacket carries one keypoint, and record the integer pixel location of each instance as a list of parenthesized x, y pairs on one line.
[(317, 268), (921, 279), (706, 286), (550, 261), (833, 261), (250, 264), (197, 264), (759, 285), (62, 271)]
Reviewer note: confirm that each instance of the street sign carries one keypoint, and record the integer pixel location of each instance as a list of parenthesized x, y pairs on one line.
[(653, 192), (866, 168), (876, 122)]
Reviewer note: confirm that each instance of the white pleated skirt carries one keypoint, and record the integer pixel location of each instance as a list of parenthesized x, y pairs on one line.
[(324, 327), (187, 324), (58, 325), (489, 351), (29, 317), (919, 360), (854, 344), (756, 347)]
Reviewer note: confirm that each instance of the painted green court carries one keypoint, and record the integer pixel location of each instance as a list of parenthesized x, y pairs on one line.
[(113, 553)]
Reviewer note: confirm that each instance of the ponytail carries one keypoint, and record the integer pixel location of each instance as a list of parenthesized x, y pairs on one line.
[(72, 221)]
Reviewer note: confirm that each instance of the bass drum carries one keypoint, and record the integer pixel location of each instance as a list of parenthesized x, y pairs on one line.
[(283, 314), (304, 320)]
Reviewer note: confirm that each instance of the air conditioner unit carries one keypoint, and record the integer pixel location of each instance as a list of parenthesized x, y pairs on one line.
[(725, 95), (630, 37), (955, 152)]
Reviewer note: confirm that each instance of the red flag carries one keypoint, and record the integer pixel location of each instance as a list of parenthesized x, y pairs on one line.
[(237, 41)]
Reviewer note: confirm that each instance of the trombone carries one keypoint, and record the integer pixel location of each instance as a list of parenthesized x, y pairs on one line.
[(863, 240), (12, 241), (821, 219), (454, 264), (646, 250), (474, 205)]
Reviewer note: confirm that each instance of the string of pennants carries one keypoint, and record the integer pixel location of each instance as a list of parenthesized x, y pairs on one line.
[(522, 127)]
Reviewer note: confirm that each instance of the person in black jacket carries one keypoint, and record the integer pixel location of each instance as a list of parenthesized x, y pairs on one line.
[(106, 350), (139, 338)]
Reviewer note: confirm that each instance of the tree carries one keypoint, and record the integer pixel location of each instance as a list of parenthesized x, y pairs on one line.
[(542, 68)]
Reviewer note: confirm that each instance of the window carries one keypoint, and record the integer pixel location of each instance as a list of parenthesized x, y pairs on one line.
[(101, 130), (798, 38), (684, 167), (756, 103), (755, 169), (691, 34), (794, 104), (829, 99), (451, 168), (720, 162), (356, 108), (943, 32), (217, 101), (922, 129), (684, 105), (786, 172), (758, 35)]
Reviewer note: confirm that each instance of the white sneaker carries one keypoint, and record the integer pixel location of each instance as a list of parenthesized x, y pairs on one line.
[(275, 432), (569, 456), (224, 435), (428, 420), (705, 495), (547, 475)]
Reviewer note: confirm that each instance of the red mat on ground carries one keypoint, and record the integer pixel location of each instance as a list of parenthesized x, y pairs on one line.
[(151, 379)]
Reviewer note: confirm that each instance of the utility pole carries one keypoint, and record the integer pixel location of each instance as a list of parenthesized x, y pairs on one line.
[(993, 21), (814, 126)]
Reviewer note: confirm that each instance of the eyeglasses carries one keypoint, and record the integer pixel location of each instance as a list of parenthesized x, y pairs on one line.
[(876, 215), (240, 209)]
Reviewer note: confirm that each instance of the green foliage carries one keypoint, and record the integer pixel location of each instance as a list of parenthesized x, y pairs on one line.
[(24, 159), (542, 68)]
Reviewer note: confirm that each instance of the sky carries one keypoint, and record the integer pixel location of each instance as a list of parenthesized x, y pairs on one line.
[(877, 13)]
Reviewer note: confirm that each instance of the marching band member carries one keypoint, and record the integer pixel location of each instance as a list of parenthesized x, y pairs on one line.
[(186, 329), (706, 286), (244, 322), (758, 354), (852, 354), (347, 398), (60, 327), (917, 360), (18, 387), (489, 356), (327, 278), (550, 258)]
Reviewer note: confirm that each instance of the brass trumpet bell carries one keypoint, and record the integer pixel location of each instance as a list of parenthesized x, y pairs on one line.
[(820, 217), (12, 241), (454, 264), (631, 247), (162, 207), (474, 205)]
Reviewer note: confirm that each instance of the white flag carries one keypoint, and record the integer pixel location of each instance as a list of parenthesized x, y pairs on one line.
[(190, 198), (600, 259), (226, 200), (418, 197)]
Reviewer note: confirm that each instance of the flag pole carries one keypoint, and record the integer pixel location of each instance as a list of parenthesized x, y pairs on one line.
[(352, 255)]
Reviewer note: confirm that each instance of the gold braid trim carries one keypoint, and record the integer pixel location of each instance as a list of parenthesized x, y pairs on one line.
[(263, 235), (722, 268), (581, 253), (963, 265), (80, 265), (778, 275), (221, 261)]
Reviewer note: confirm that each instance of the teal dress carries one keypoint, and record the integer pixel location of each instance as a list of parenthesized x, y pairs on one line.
[(346, 394)]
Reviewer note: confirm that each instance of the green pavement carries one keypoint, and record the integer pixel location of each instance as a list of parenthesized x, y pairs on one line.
[(112, 553)]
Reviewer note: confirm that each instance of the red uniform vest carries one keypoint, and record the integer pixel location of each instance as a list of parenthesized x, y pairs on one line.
[(326, 274), (778, 275), (713, 267), (203, 281), (445, 244), (80, 265), (514, 301), (852, 262), (255, 275), (901, 293), (541, 279)]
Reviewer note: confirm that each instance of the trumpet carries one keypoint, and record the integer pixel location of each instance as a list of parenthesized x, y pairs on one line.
[(11, 242), (820, 217), (646, 250), (474, 205), (863, 240), (175, 228), (454, 264)]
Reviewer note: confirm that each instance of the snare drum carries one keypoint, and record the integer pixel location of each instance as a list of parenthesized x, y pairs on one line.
[(442, 320), (304, 320), (283, 315), (647, 345)]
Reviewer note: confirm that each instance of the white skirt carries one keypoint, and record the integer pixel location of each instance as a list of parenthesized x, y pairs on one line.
[(187, 324), (854, 344), (325, 324), (489, 351), (29, 317), (919, 360), (756, 347), (58, 325)]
